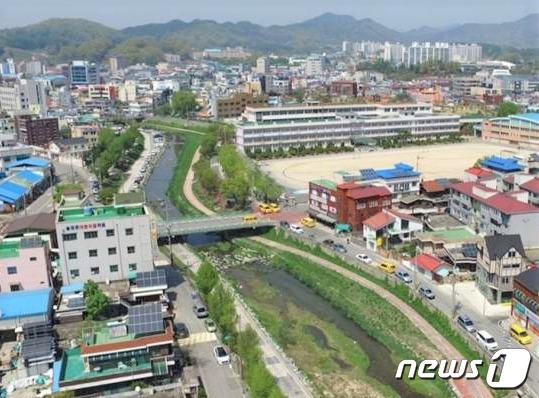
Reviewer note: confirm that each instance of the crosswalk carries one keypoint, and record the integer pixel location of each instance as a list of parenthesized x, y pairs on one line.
[(197, 338)]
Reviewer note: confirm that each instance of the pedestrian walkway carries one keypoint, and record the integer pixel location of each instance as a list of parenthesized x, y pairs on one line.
[(197, 338), (137, 166)]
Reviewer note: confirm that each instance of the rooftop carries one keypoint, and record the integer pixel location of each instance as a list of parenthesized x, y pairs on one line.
[(9, 249), (530, 280), (449, 235), (325, 183), (379, 221), (505, 165), (531, 186), (25, 303), (427, 262), (99, 213)]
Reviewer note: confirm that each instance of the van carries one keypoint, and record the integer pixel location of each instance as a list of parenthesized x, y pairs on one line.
[(520, 334), (486, 341), (308, 222), (387, 267), (250, 218)]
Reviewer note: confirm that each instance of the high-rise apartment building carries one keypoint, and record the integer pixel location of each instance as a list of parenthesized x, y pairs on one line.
[(314, 66), (117, 63)]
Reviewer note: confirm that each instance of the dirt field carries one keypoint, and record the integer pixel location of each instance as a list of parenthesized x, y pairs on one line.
[(434, 161)]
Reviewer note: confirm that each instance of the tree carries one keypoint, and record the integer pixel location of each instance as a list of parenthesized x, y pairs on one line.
[(236, 188), (65, 132), (206, 278), (96, 301), (507, 108), (208, 145), (221, 306), (183, 103)]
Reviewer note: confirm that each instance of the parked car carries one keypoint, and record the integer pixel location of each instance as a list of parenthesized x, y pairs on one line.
[(221, 355), (486, 341), (95, 190), (284, 224), (466, 323), (296, 228), (328, 242), (403, 276), (387, 267), (181, 331), (520, 334), (210, 325), (364, 258), (250, 218), (426, 292), (274, 207), (339, 248), (200, 310), (264, 208), (308, 222)]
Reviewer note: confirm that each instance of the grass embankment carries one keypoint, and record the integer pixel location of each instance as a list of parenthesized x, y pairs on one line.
[(436, 318)]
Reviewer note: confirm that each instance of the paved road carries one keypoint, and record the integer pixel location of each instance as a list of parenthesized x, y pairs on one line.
[(137, 166), (208, 224), (443, 300), (220, 381)]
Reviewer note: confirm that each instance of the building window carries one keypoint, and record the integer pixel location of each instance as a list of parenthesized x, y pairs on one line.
[(112, 250), (92, 253), (129, 231), (133, 267), (90, 235), (15, 287), (110, 232), (33, 258), (72, 255), (67, 237), (11, 270), (361, 205), (373, 203), (113, 268), (130, 249), (94, 270), (74, 273)]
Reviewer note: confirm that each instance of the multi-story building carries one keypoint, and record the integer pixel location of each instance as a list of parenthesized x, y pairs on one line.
[(419, 53), (25, 264), (83, 73), (114, 355), (499, 259), (104, 243), (490, 212), (284, 127), (8, 133), (102, 92), (172, 58), (89, 131), (69, 150), (25, 95), (233, 107), (262, 66), (344, 88), (462, 85), (516, 84), (33, 67), (127, 92), (117, 63), (390, 226), (314, 66), (521, 129), (465, 53), (8, 68), (36, 131), (277, 85), (525, 305), (322, 200)]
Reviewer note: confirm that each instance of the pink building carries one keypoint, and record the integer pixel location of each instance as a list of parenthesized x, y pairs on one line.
[(24, 264)]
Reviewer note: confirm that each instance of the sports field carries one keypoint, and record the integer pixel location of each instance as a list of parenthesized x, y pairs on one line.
[(435, 161)]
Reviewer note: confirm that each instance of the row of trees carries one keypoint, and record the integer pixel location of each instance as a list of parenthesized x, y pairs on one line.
[(244, 343), (182, 104), (300, 150), (406, 138)]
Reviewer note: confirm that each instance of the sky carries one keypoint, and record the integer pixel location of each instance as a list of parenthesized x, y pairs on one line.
[(396, 14)]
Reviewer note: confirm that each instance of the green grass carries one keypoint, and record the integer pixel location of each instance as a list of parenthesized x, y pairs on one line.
[(205, 198), (436, 318), (377, 317)]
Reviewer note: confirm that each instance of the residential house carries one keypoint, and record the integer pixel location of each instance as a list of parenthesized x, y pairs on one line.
[(69, 150), (390, 227), (430, 266)]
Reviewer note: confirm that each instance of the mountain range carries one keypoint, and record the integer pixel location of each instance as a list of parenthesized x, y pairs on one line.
[(64, 39)]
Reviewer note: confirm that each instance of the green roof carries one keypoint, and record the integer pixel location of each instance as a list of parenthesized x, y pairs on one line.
[(99, 213), (456, 234), (324, 182), (9, 249)]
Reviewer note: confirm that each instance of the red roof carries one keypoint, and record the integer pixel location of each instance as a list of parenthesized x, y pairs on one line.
[(404, 216), (379, 221), (368, 192), (427, 262), (432, 186), (348, 185), (479, 172), (531, 186)]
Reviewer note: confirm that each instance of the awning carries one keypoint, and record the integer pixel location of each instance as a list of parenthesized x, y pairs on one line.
[(342, 228), (323, 217)]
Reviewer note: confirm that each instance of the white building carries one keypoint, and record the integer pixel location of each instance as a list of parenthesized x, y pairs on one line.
[(25, 95), (104, 243), (262, 66), (391, 226), (128, 91), (314, 65)]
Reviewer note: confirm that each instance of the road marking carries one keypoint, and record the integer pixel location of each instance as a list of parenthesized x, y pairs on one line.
[(197, 338)]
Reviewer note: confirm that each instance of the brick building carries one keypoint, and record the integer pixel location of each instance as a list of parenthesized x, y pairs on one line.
[(37, 131), (232, 107), (525, 305), (344, 88)]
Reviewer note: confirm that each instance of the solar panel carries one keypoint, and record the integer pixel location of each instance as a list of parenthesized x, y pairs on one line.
[(75, 302), (156, 277), (146, 318), (38, 348), (368, 174), (37, 329)]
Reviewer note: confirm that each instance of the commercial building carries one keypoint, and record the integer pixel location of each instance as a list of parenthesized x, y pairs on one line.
[(525, 305), (25, 95), (25, 264), (23, 307), (114, 355), (284, 127), (102, 92), (233, 106), (490, 212), (105, 243), (521, 129), (500, 258), (36, 131), (83, 73), (347, 203)]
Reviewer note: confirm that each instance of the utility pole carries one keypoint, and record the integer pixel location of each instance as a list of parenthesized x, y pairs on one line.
[(415, 268), (453, 295)]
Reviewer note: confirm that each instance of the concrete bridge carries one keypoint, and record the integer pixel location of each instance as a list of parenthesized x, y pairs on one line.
[(206, 224)]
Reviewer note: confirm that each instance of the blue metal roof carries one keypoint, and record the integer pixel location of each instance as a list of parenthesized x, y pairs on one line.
[(32, 162), (531, 116), (56, 372), (502, 164), (29, 176), (75, 287), (400, 170), (25, 303), (14, 189)]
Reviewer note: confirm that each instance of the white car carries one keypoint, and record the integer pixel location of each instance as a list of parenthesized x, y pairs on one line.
[(364, 258), (221, 355), (486, 341), (296, 228)]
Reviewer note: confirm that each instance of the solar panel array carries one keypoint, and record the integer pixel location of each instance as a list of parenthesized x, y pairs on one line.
[(156, 277), (42, 347), (75, 302), (37, 329), (146, 318), (368, 174)]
